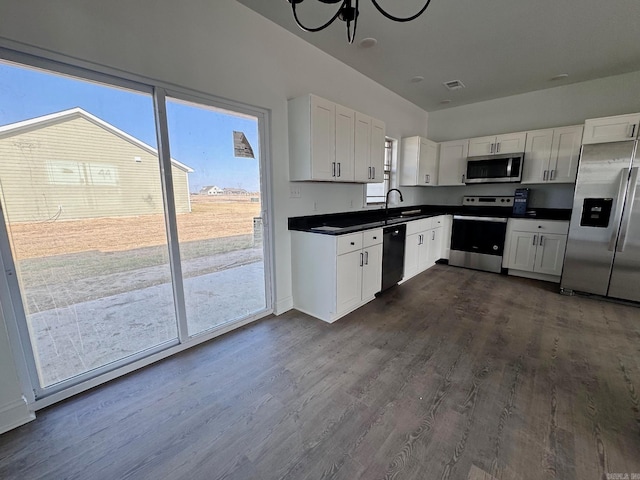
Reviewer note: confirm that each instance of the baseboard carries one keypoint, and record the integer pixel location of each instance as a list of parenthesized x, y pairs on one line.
[(535, 276), (283, 305), (14, 414)]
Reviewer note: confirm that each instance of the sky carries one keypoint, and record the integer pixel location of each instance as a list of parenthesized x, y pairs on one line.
[(198, 137)]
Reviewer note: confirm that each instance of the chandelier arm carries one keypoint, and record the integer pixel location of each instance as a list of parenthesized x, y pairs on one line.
[(316, 29), (351, 36), (400, 19)]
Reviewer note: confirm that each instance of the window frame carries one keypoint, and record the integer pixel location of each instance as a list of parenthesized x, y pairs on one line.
[(389, 172)]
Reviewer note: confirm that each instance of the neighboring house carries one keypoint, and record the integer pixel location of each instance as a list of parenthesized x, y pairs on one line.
[(235, 191), (211, 190), (73, 165)]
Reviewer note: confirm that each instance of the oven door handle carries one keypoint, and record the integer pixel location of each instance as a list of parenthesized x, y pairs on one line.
[(481, 219)]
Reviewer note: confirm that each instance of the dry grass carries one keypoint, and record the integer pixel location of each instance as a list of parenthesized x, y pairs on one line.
[(211, 217)]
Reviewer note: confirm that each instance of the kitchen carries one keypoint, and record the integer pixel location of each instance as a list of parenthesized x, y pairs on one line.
[(287, 68), (491, 233)]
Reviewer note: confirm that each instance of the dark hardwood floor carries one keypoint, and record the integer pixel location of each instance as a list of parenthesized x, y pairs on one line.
[(456, 374)]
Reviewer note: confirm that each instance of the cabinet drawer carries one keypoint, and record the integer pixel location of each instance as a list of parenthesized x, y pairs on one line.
[(539, 226), (419, 225), (349, 243), (371, 237), (437, 221)]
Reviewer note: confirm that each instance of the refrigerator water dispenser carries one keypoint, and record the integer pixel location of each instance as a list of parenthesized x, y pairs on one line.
[(596, 212)]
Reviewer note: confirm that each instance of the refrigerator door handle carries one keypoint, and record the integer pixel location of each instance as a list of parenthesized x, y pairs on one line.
[(619, 201), (633, 185)]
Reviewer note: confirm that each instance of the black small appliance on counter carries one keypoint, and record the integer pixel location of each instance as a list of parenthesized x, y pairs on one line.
[(520, 202)]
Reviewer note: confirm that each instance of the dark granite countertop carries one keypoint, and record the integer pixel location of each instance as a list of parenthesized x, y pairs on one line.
[(349, 222)]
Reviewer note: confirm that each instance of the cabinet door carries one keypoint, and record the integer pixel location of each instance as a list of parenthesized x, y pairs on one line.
[(323, 138), (482, 146), (452, 162), (550, 254), (537, 153), (522, 252), (563, 166), (424, 252), (372, 271), (349, 281), (435, 245), (510, 143), (428, 163), (378, 139), (411, 254), (345, 125), (362, 156), (611, 129)]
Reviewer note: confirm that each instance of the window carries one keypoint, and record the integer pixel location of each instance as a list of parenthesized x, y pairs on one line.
[(376, 192)]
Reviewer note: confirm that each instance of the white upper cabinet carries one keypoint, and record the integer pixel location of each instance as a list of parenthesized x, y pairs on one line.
[(497, 144), (611, 129), (452, 162), (552, 155), (419, 162), (369, 149), (345, 123), (329, 142)]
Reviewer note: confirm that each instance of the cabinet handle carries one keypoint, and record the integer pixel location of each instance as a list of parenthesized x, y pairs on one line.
[(339, 169), (366, 258), (535, 239), (374, 172), (433, 235), (333, 169), (552, 175), (498, 147), (427, 178), (544, 175), (353, 243), (361, 259), (375, 238), (633, 131), (419, 239), (369, 177), (542, 240), (491, 148)]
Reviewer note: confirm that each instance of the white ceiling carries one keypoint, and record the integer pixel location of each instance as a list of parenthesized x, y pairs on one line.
[(495, 47)]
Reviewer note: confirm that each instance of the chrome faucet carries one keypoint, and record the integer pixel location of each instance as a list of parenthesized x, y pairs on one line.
[(386, 203)]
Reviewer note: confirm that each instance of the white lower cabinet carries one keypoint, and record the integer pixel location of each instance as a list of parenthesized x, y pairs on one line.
[(334, 275), (535, 248), (424, 245)]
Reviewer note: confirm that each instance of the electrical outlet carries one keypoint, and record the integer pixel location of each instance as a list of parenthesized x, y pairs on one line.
[(295, 191)]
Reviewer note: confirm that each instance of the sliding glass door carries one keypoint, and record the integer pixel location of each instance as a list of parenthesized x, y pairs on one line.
[(115, 256), (221, 248)]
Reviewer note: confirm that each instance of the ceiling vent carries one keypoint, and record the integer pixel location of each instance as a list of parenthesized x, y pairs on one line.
[(454, 84)]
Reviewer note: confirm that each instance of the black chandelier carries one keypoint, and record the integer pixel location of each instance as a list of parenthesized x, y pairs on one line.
[(348, 13)]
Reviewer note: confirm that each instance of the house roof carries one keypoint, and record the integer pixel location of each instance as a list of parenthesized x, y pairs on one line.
[(77, 112)]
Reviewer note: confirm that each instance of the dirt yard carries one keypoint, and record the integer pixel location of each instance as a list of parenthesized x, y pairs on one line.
[(211, 217)]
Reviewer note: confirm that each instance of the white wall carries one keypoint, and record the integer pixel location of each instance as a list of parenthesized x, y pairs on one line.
[(13, 407), (222, 48), (553, 107)]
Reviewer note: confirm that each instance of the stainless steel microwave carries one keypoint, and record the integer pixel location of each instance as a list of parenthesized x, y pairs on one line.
[(494, 168)]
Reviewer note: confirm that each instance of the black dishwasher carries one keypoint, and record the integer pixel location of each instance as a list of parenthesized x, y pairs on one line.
[(393, 239)]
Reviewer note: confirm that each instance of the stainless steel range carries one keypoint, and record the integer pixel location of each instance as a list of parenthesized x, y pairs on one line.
[(478, 234)]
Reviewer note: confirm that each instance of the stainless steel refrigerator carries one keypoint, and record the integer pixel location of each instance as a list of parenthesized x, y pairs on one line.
[(603, 248)]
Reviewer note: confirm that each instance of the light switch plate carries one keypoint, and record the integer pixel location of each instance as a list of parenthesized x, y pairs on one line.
[(295, 191)]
